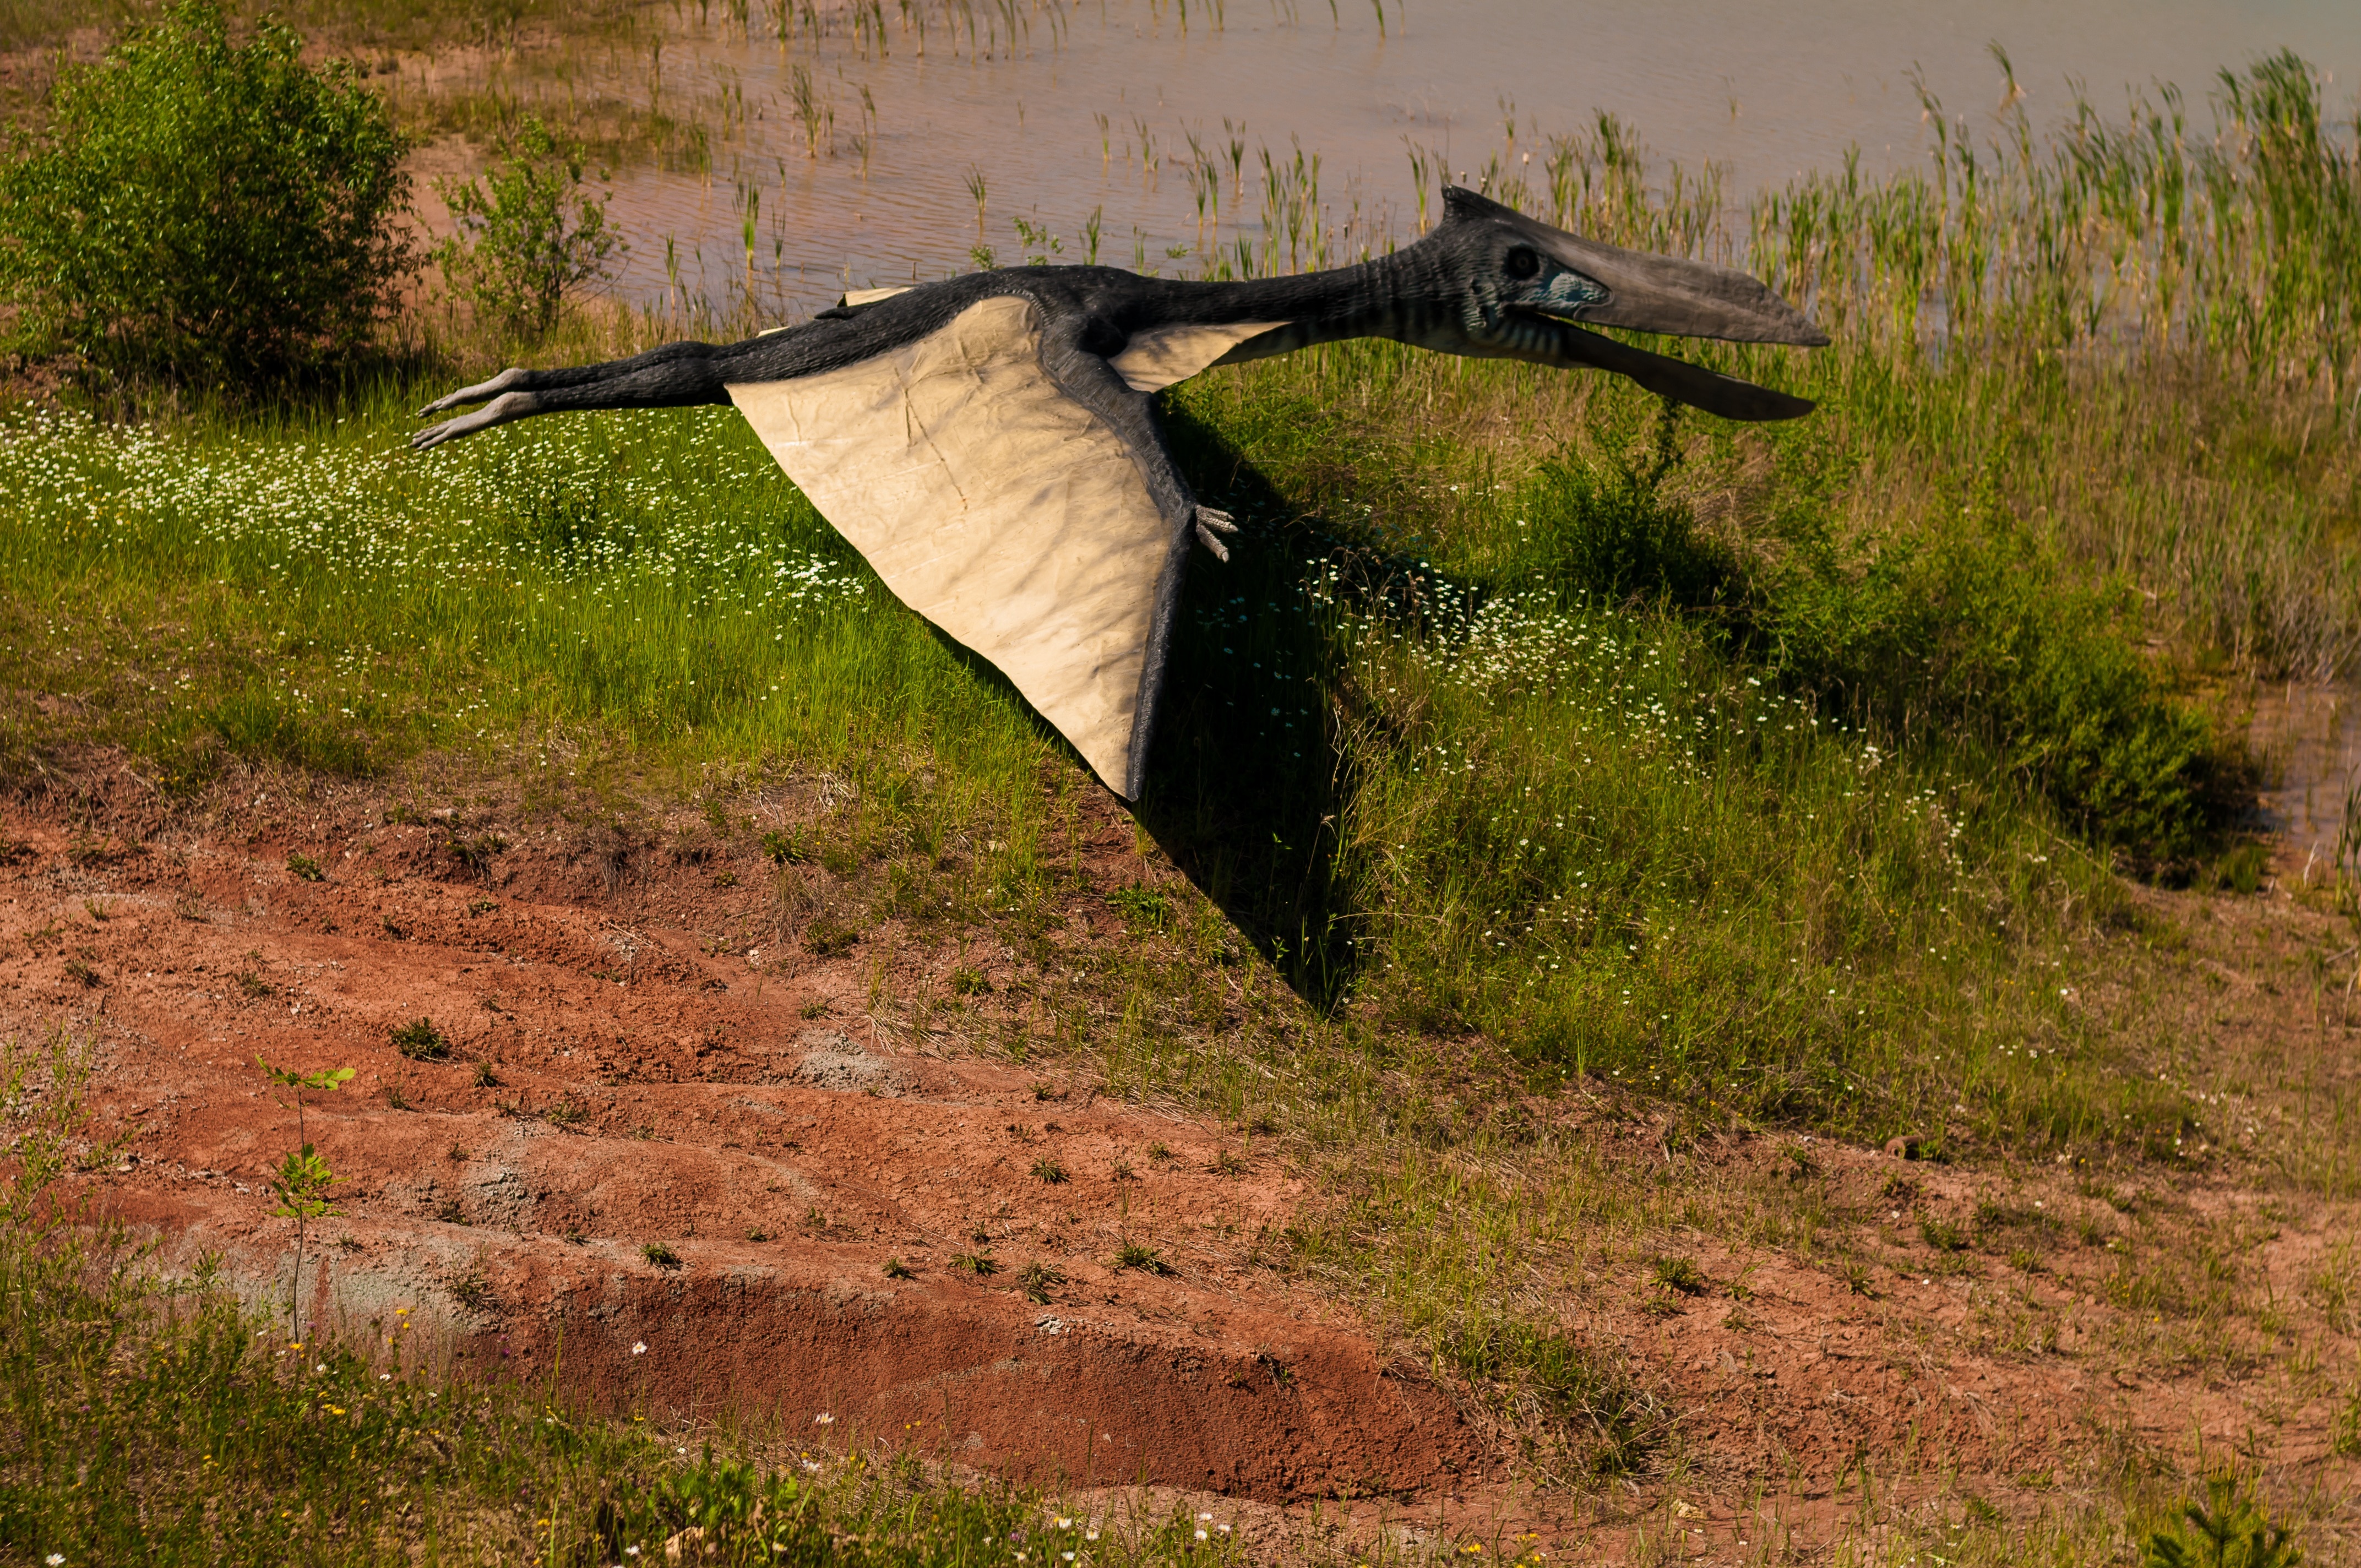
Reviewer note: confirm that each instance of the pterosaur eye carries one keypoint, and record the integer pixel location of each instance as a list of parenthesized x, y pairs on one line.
[(1521, 263)]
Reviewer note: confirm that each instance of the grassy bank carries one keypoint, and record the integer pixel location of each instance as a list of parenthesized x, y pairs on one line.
[(1617, 833), (1543, 744)]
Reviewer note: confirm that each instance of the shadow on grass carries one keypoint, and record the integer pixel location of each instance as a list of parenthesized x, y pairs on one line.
[(1246, 787)]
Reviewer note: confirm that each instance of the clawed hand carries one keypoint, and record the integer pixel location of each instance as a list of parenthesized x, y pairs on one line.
[(1211, 527)]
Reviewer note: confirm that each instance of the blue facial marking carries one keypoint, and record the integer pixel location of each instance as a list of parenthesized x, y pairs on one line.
[(1567, 292)]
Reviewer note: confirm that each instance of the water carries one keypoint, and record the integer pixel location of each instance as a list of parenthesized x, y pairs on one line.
[(2309, 740), (1766, 90)]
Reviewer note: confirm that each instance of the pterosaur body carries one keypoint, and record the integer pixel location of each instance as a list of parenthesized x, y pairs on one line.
[(989, 443)]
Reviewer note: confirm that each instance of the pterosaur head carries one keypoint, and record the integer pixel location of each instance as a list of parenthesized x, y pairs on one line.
[(1520, 286)]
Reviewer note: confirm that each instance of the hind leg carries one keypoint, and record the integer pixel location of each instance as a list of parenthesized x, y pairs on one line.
[(508, 380), (680, 375), (499, 410), (517, 379)]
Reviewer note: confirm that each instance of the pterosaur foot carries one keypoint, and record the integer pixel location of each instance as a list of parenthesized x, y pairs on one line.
[(1211, 529), (507, 381), (499, 410)]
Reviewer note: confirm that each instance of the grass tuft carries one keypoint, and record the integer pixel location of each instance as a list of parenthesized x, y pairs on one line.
[(1141, 1257), (1680, 1275), (420, 1040), (1037, 1280), (829, 939)]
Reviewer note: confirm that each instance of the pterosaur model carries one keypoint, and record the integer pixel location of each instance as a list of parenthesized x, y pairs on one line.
[(990, 441)]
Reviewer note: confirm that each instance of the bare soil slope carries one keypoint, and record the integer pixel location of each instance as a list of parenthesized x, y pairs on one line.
[(840, 1228), (668, 1114)]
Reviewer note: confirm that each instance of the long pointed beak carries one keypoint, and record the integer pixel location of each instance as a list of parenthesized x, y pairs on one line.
[(1690, 299), (1678, 379)]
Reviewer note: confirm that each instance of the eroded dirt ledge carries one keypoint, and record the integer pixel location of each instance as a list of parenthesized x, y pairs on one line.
[(612, 1082)]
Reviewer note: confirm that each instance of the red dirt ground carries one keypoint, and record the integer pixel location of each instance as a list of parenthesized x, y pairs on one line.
[(648, 1084), (649, 1092)]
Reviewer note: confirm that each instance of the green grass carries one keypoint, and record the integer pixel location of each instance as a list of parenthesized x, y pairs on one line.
[(1536, 810), (1734, 844)]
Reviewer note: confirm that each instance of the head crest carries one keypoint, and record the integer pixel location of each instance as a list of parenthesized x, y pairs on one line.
[(1459, 204)]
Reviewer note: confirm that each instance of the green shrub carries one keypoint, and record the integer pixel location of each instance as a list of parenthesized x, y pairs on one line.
[(1038, 1279), (529, 234), (1968, 631), (1142, 908), (1679, 1274), (740, 1514), (1970, 638), (1616, 537), (205, 211)]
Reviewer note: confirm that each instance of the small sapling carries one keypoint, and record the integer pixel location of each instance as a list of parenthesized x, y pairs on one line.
[(303, 1179)]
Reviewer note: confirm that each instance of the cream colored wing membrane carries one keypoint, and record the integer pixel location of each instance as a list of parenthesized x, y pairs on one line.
[(992, 504), (1152, 361)]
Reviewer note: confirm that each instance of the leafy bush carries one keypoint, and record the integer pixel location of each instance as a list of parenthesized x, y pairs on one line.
[(204, 211), (721, 1510), (1616, 537), (1965, 636), (1970, 633), (529, 234)]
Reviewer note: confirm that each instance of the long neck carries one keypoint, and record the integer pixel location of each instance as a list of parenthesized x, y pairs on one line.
[(1395, 296)]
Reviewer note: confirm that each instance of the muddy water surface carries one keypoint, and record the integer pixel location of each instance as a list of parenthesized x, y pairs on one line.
[(2308, 739), (862, 149)]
